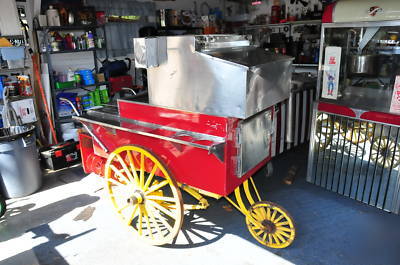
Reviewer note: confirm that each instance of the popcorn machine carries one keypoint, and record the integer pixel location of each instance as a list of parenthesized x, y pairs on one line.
[(355, 146)]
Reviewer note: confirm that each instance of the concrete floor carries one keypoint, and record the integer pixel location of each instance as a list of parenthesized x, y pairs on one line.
[(69, 222)]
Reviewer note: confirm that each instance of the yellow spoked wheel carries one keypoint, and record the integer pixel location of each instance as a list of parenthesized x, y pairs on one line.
[(357, 132), (324, 130), (144, 194), (270, 224), (386, 152)]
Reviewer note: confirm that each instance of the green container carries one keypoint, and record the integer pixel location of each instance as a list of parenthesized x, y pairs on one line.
[(95, 97), (64, 85), (104, 96)]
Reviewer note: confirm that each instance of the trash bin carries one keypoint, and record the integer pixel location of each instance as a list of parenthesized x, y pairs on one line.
[(20, 173)]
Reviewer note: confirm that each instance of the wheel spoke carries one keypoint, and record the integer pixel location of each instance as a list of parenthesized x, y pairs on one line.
[(150, 178), (279, 218), (273, 215), (282, 223), (162, 220), (276, 239), (133, 215), (268, 213), (140, 222), (283, 228), (270, 238), (163, 209), (141, 170), (126, 205), (154, 220), (161, 198), (132, 165), (280, 237), (125, 167), (156, 187), (117, 183), (150, 231), (119, 173), (282, 233), (264, 237), (259, 232)]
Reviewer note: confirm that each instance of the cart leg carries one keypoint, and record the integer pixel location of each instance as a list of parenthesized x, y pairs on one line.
[(269, 223), (203, 203)]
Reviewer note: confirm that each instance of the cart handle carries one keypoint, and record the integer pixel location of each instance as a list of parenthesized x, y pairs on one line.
[(84, 125)]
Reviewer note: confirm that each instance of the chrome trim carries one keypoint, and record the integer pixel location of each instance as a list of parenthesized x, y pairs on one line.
[(213, 149)]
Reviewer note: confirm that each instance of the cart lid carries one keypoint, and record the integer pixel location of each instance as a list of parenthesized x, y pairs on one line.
[(362, 11), (247, 56)]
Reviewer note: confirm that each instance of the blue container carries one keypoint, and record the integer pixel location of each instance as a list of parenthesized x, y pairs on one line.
[(1, 88), (87, 77), (88, 81)]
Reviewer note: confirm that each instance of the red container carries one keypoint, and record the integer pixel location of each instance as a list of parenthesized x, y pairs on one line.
[(117, 83), (275, 14)]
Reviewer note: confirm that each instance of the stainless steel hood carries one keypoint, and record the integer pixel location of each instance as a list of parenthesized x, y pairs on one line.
[(214, 74)]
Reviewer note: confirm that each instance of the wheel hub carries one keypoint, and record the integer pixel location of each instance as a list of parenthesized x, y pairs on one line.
[(136, 198), (269, 226), (385, 152)]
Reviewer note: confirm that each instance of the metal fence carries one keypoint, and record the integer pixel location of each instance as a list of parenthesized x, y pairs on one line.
[(356, 158)]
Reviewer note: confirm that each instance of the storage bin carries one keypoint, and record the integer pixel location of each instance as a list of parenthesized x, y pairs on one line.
[(60, 156), (19, 166), (12, 53), (14, 64)]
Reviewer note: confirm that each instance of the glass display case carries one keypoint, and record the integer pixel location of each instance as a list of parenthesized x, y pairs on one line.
[(355, 137), (360, 64)]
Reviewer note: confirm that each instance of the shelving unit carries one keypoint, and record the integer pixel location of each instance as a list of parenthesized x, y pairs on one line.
[(48, 54), (289, 28)]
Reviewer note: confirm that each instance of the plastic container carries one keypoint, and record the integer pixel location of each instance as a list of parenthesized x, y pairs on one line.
[(1, 87), (87, 77), (60, 156), (64, 108), (14, 64), (64, 85), (19, 165), (13, 53)]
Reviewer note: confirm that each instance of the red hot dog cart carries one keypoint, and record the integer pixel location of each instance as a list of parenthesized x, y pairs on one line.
[(206, 130)]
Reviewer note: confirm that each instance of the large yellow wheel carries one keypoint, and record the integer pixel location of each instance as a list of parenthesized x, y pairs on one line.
[(144, 194), (357, 132), (385, 152), (270, 224), (324, 130)]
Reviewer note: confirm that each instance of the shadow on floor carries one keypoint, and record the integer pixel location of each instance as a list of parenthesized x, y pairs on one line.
[(45, 214), (45, 253), (331, 229)]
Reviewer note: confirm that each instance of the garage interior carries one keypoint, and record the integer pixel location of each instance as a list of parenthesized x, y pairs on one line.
[(199, 132)]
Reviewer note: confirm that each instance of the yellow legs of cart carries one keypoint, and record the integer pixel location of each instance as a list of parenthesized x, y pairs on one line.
[(270, 224), (151, 205)]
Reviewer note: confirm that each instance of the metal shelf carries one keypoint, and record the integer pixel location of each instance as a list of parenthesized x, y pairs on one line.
[(13, 36), (75, 51), (63, 28), (6, 70), (305, 64), (85, 87), (300, 22), (179, 28), (16, 98)]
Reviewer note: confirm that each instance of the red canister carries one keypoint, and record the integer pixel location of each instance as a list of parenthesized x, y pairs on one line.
[(275, 14)]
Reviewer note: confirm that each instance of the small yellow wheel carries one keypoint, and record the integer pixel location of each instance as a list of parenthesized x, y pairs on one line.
[(270, 224), (358, 132), (324, 130), (144, 194), (389, 152)]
